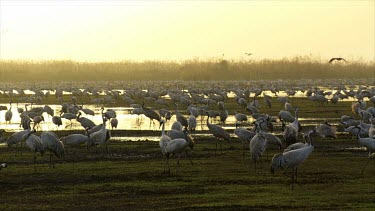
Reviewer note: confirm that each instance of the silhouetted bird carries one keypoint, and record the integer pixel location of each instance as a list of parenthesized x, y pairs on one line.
[(338, 59)]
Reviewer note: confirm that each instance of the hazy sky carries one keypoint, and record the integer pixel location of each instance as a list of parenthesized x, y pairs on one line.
[(176, 30)]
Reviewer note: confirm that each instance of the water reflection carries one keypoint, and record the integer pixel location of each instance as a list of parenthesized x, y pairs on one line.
[(127, 121)]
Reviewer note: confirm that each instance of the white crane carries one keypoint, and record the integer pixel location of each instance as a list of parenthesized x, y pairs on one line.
[(369, 143), (257, 145), (100, 137), (57, 121), (16, 138), (75, 140), (176, 126), (165, 113), (114, 123), (326, 130), (285, 116), (138, 111), (240, 117), (68, 116), (290, 133), (150, 114), (267, 101), (288, 106), (37, 120), (109, 114), (51, 143), (291, 160), (244, 135), (48, 110), (182, 119), (87, 111), (164, 140), (9, 114), (192, 122), (85, 122), (178, 146), (218, 132), (34, 143), (307, 137), (223, 114)]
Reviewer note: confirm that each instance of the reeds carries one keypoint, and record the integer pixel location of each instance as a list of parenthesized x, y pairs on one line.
[(195, 69)]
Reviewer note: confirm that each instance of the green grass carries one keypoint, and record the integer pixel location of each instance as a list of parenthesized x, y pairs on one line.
[(132, 176), (329, 179)]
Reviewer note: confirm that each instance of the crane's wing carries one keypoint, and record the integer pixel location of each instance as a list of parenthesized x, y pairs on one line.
[(331, 60)]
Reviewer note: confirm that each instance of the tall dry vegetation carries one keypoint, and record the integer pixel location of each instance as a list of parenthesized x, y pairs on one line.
[(196, 69)]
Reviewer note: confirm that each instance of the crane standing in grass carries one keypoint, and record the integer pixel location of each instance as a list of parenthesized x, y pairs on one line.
[(182, 119), (244, 135), (178, 146), (16, 138), (151, 114), (257, 145), (9, 114), (51, 143), (292, 159), (85, 122), (100, 137), (34, 143), (369, 143), (75, 140), (290, 133), (326, 130), (164, 140), (218, 132)]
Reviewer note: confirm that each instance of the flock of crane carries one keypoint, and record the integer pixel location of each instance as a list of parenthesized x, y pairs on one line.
[(178, 140)]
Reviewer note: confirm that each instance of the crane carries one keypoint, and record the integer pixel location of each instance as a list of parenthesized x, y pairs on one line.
[(218, 132)]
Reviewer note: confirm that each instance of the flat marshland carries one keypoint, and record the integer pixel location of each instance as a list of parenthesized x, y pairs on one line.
[(131, 177)]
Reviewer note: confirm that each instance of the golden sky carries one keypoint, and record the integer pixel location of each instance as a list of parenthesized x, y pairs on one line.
[(177, 30)]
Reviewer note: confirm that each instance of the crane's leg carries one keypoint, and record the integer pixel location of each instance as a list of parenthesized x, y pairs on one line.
[(255, 165), (106, 149), (243, 149), (189, 156), (21, 149), (50, 156), (293, 180), (296, 175), (53, 161), (216, 147), (368, 160), (164, 163), (169, 168), (221, 149), (34, 161)]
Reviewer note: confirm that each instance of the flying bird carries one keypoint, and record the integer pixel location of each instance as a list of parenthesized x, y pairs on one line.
[(337, 59)]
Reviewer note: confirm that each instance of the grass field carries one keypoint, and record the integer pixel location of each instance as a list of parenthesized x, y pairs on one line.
[(132, 176)]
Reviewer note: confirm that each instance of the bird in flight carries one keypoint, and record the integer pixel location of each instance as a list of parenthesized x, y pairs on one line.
[(337, 59), (249, 54)]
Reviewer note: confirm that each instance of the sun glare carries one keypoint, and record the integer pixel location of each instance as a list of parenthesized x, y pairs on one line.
[(171, 30)]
